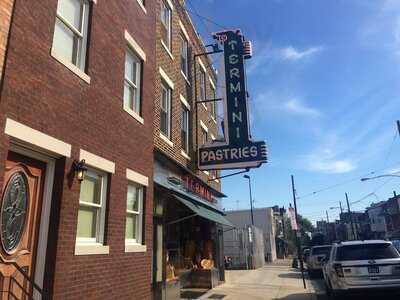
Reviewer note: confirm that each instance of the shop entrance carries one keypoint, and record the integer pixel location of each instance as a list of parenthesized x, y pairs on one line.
[(21, 205)]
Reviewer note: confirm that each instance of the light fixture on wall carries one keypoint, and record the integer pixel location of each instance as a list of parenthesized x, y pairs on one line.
[(80, 169)]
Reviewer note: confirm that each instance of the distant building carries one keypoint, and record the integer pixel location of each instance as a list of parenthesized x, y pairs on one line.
[(265, 219), (377, 219)]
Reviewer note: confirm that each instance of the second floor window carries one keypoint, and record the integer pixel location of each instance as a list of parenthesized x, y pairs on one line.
[(132, 82), (134, 214), (214, 103), (202, 86), (166, 14), (71, 31), (184, 56), (165, 113), (185, 129)]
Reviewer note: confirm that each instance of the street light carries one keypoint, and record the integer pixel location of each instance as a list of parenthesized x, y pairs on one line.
[(380, 176), (251, 199)]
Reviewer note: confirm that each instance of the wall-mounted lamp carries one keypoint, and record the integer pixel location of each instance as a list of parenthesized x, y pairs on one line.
[(80, 169)]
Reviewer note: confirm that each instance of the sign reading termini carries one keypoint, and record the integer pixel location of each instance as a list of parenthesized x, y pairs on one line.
[(237, 150)]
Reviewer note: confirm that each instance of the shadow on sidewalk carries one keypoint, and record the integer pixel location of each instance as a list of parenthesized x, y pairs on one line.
[(302, 296), (291, 275)]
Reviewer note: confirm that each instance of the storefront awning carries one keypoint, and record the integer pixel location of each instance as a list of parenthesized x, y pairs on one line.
[(205, 212)]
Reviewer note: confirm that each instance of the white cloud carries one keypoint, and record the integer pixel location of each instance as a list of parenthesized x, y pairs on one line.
[(331, 165), (291, 53), (297, 107)]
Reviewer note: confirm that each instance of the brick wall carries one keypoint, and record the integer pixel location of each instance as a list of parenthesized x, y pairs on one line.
[(5, 18), (172, 67), (41, 93)]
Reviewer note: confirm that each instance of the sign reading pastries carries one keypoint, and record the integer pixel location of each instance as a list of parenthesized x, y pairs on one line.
[(237, 150)]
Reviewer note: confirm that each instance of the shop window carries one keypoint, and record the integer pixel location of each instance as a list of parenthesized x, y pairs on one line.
[(184, 56), (202, 86), (166, 14), (134, 214), (132, 82), (165, 113), (71, 31), (92, 207), (185, 129)]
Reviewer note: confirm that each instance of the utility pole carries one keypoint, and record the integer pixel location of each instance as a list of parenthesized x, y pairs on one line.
[(351, 216), (327, 216), (398, 126), (327, 227), (251, 200), (341, 208), (298, 235)]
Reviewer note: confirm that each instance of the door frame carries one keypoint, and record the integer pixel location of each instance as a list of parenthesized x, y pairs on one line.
[(40, 260)]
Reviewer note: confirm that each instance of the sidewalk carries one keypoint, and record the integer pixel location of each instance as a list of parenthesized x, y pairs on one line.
[(277, 281)]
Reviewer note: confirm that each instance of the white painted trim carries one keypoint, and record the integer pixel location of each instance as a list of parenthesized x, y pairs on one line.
[(212, 83), (34, 137), (204, 105), (137, 177), (135, 46), (212, 137), (183, 100), (215, 121), (91, 249), (135, 247), (185, 155), (169, 2), (184, 31), (166, 78), (203, 125), (168, 51), (167, 140), (97, 161), (133, 114), (74, 69), (45, 213), (202, 65), (185, 77), (94, 1), (142, 6), (206, 172)]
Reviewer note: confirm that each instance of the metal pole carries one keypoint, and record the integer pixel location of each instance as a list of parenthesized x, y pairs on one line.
[(351, 216), (398, 126), (327, 216), (196, 112), (297, 236), (251, 203)]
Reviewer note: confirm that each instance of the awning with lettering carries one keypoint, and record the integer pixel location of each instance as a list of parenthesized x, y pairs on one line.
[(204, 212)]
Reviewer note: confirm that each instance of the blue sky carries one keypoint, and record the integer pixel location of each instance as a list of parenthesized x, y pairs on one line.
[(325, 94)]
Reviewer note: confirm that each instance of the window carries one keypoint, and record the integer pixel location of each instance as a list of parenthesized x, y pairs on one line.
[(367, 252), (184, 56), (204, 136), (166, 14), (132, 82), (71, 31), (185, 129), (214, 103), (165, 114), (202, 86), (134, 214), (92, 203)]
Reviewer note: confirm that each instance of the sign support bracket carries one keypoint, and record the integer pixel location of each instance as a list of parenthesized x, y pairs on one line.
[(232, 174)]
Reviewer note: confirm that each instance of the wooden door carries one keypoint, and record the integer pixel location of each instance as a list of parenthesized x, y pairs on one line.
[(20, 209)]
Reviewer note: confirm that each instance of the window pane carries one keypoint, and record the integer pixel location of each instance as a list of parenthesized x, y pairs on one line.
[(133, 198), (64, 42), (130, 67), (128, 96), (87, 222), (90, 189), (164, 123), (71, 10), (131, 224)]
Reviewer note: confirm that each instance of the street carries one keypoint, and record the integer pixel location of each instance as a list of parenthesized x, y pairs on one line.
[(276, 281)]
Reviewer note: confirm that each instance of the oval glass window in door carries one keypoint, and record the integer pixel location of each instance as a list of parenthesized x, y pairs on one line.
[(14, 211)]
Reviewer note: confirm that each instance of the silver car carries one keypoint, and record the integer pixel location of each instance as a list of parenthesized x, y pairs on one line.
[(317, 255), (362, 267)]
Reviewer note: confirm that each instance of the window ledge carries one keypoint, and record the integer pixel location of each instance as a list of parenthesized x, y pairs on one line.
[(167, 140), (135, 248), (185, 77), (168, 51), (142, 6), (206, 172), (204, 105), (134, 115), (91, 249), (74, 69), (214, 120), (185, 155)]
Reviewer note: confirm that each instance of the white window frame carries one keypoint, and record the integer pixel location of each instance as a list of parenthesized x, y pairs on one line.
[(166, 88), (203, 127), (185, 110), (100, 226), (184, 56), (203, 90), (139, 213), (167, 5), (79, 61), (213, 103), (136, 111)]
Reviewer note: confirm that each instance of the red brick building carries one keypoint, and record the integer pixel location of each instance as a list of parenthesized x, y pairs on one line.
[(187, 215), (77, 92)]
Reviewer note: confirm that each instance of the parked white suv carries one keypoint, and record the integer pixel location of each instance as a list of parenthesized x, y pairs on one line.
[(362, 266), (317, 255)]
